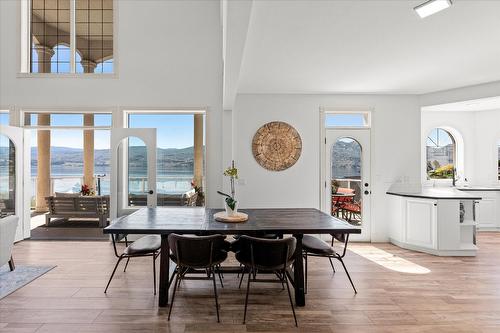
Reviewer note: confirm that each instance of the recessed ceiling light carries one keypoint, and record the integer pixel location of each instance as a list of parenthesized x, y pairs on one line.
[(432, 7)]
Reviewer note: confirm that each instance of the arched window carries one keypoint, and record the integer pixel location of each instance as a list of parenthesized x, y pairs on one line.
[(441, 154)]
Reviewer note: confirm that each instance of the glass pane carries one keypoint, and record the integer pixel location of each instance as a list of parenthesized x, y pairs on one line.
[(440, 154), (346, 163), (498, 159), (345, 120), (137, 172), (7, 176), (4, 118), (176, 161), (94, 35), (50, 36)]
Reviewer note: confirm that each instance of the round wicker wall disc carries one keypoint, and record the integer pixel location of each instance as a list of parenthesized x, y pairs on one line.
[(276, 146)]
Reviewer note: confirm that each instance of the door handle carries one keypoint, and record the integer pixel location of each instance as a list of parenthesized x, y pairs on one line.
[(151, 192), (367, 192)]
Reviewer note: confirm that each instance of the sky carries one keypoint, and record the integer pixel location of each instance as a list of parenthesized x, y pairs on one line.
[(173, 130), (345, 119)]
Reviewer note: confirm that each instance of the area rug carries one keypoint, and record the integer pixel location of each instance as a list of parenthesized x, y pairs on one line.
[(21, 276)]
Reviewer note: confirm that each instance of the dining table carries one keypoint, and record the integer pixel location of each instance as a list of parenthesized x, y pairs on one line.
[(200, 221)]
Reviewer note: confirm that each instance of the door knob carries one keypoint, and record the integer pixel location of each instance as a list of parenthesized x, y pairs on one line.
[(150, 192), (366, 184), (367, 192)]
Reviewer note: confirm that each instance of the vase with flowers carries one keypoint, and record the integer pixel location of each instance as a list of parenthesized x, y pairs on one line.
[(86, 191), (231, 204)]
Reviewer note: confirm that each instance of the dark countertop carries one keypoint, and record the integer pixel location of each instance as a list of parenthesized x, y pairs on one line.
[(433, 193)]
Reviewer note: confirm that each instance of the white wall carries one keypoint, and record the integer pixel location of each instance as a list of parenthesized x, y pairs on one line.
[(480, 131), (486, 153), (169, 56), (395, 149)]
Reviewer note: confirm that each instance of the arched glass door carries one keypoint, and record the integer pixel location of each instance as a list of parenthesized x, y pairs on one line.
[(7, 176), (348, 178)]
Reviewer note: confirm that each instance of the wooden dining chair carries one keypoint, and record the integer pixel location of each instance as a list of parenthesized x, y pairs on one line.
[(146, 246), (190, 253), (315, 247), (259, 255)]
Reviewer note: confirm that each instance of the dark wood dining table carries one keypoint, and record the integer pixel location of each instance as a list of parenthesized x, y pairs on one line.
[(200, 221)]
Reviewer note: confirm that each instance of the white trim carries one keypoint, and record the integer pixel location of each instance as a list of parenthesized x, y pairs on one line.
[(72, 36)]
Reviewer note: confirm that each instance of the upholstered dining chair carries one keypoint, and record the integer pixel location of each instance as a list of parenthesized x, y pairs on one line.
[(146, 246), (8, 226), (316, 247), (260, 255), (190, 252)]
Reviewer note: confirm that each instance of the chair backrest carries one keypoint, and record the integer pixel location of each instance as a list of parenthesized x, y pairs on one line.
[(195, 251), (264, 254), (8, 226)]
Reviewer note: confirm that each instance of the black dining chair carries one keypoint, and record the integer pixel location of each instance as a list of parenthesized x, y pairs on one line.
[(259, 255), (315, 247), (146, 246), (190, 253)]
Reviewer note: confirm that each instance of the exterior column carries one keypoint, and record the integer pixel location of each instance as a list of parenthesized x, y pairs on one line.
[(45, 54), (198, 149), (88, 151), (43, 164), (88, 65)]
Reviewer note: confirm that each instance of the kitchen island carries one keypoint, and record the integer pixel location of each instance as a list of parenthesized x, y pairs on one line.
[(435, 220)]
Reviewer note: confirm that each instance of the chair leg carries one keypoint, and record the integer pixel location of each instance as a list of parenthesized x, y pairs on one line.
[(215, 294), (113, 274), (220, 276), (290, 298), (126, 264), (173, 295), (331, 264), (172, 277), (154, 274), (350, 280), (242, 276), (305, 272), (246, 298), (12, 266)]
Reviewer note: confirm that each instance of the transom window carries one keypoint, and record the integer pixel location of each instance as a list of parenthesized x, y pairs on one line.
[(71, 36), (441, 154), (347, 119), (4, 117)]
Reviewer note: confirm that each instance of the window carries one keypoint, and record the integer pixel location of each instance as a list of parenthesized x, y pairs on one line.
[(347, 119), (55, 25), (180, 154), (4, 117), (498, 154), (441, 154)]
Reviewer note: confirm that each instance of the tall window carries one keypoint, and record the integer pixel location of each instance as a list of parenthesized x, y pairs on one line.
[(498, 154), (441, 154), (71, 36)]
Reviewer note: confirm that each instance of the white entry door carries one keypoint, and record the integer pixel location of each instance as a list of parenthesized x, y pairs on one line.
[(14, 195), (133, 170), (347, 185)]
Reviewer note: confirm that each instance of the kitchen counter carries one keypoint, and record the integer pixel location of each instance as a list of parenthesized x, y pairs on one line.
[(447, 193), (479, 188)]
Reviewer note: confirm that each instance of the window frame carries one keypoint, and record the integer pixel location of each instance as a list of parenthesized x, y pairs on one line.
[(455, 153), (367, 116), (24, 46)]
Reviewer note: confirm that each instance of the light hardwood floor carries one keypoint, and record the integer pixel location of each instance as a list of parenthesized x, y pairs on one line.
[(399, 291)]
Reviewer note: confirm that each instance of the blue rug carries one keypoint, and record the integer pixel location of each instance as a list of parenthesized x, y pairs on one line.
[(21, 276)]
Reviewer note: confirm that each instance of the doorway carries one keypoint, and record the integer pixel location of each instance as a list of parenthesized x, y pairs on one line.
[(346, 178)]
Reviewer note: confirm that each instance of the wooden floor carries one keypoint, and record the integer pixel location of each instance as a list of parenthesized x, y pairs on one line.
[(399, 291)]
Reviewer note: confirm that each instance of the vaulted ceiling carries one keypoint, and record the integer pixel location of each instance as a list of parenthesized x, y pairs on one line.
[(317, 46)]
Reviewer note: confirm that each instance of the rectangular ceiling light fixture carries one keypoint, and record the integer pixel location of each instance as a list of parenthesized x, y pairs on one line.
[(432, 7)]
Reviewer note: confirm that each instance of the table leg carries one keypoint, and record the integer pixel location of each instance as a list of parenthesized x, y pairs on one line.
[(298, 271), (164, 272)]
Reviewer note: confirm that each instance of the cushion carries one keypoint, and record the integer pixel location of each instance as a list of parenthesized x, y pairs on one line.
[(315, 245), (144, 245)]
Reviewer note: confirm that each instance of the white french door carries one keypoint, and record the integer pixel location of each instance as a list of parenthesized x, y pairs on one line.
[(133, 170), (347, 183), (15, 187)]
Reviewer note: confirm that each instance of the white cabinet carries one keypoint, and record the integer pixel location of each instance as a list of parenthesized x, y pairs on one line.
[(487, 210), (421, 222)]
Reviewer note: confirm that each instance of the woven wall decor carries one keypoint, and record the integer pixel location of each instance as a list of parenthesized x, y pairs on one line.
[(276, 146)]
